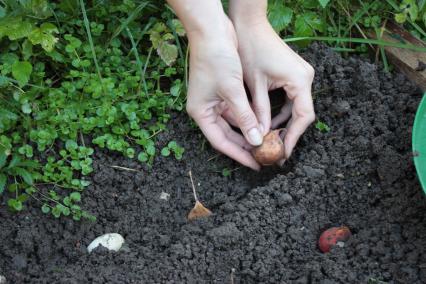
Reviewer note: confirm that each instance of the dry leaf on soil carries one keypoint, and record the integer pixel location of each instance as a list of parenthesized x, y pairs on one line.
[(199, 210)]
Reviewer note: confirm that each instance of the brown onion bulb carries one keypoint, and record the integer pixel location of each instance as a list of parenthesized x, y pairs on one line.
[(272, 149)]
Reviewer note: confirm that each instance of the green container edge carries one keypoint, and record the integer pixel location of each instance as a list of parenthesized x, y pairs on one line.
[(419, 142)]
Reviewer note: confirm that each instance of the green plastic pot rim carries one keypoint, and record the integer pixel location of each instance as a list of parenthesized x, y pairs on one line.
[(419, 142)]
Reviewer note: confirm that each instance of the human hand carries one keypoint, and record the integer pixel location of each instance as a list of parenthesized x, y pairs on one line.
[(215, 90), (268, 63), (216, 87)]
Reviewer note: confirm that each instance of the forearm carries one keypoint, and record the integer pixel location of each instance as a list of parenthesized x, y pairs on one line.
[(248, 12), (200, 17)]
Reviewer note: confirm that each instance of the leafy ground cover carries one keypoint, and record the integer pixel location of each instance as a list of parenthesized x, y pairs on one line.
[(76, 74), (344, 18), (68, 71)]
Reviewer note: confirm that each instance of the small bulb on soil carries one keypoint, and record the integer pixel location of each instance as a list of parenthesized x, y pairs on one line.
[(199, 210), (272, 149), (164, 196), (112, 241), (333, 236)]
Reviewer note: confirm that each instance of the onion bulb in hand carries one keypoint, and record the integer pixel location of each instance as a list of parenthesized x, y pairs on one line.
[(272, 149)]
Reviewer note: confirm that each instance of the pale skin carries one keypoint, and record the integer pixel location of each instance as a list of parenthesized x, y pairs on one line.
[(223, 51)]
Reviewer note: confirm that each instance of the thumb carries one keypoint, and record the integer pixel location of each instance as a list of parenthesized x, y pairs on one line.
[(236, 98)]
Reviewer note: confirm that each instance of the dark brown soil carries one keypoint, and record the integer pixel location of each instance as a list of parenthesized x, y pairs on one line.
[(265, 225)]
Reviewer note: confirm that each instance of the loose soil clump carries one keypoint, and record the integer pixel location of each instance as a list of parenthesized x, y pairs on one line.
[(265, 226)]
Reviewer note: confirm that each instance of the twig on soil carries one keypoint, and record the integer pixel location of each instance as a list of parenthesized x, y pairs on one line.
[(213, 157), (232, 275), (236, 169), (230, 171), (124, 168), (203, 144), (322, 91)]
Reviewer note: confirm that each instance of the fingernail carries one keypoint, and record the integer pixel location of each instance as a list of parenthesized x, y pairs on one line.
[(255, 137), (262, 129)]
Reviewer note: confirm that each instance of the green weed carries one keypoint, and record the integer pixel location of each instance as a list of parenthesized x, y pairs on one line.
[(173, 147), (321, 126), (226, 172)]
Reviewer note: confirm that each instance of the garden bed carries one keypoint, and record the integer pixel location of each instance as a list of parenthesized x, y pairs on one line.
[(265, 225)]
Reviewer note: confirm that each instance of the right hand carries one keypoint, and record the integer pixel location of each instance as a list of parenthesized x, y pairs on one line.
[(216, 90), (268, 64)]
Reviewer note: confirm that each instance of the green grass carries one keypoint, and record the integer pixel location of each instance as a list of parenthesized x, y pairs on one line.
[(357, 40), (89, 36)]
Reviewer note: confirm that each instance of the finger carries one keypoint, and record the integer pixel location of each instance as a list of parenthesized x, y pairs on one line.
[(262, 106), (230, 117), (223, 109), (283, 133), (289, 123), (218, 139), (236, 98), (302, 116), (237, 153), (283, 116), (232, 135)]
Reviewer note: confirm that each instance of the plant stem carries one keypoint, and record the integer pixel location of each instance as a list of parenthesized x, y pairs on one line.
[(82, 138), (193, 186), (89, 36), (146, 64), (155, 133), (138, 61)]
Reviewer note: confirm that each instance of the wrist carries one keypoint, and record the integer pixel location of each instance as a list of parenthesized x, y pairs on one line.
[(213, 40), (201, 19), (248, 13), (210, 29)]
